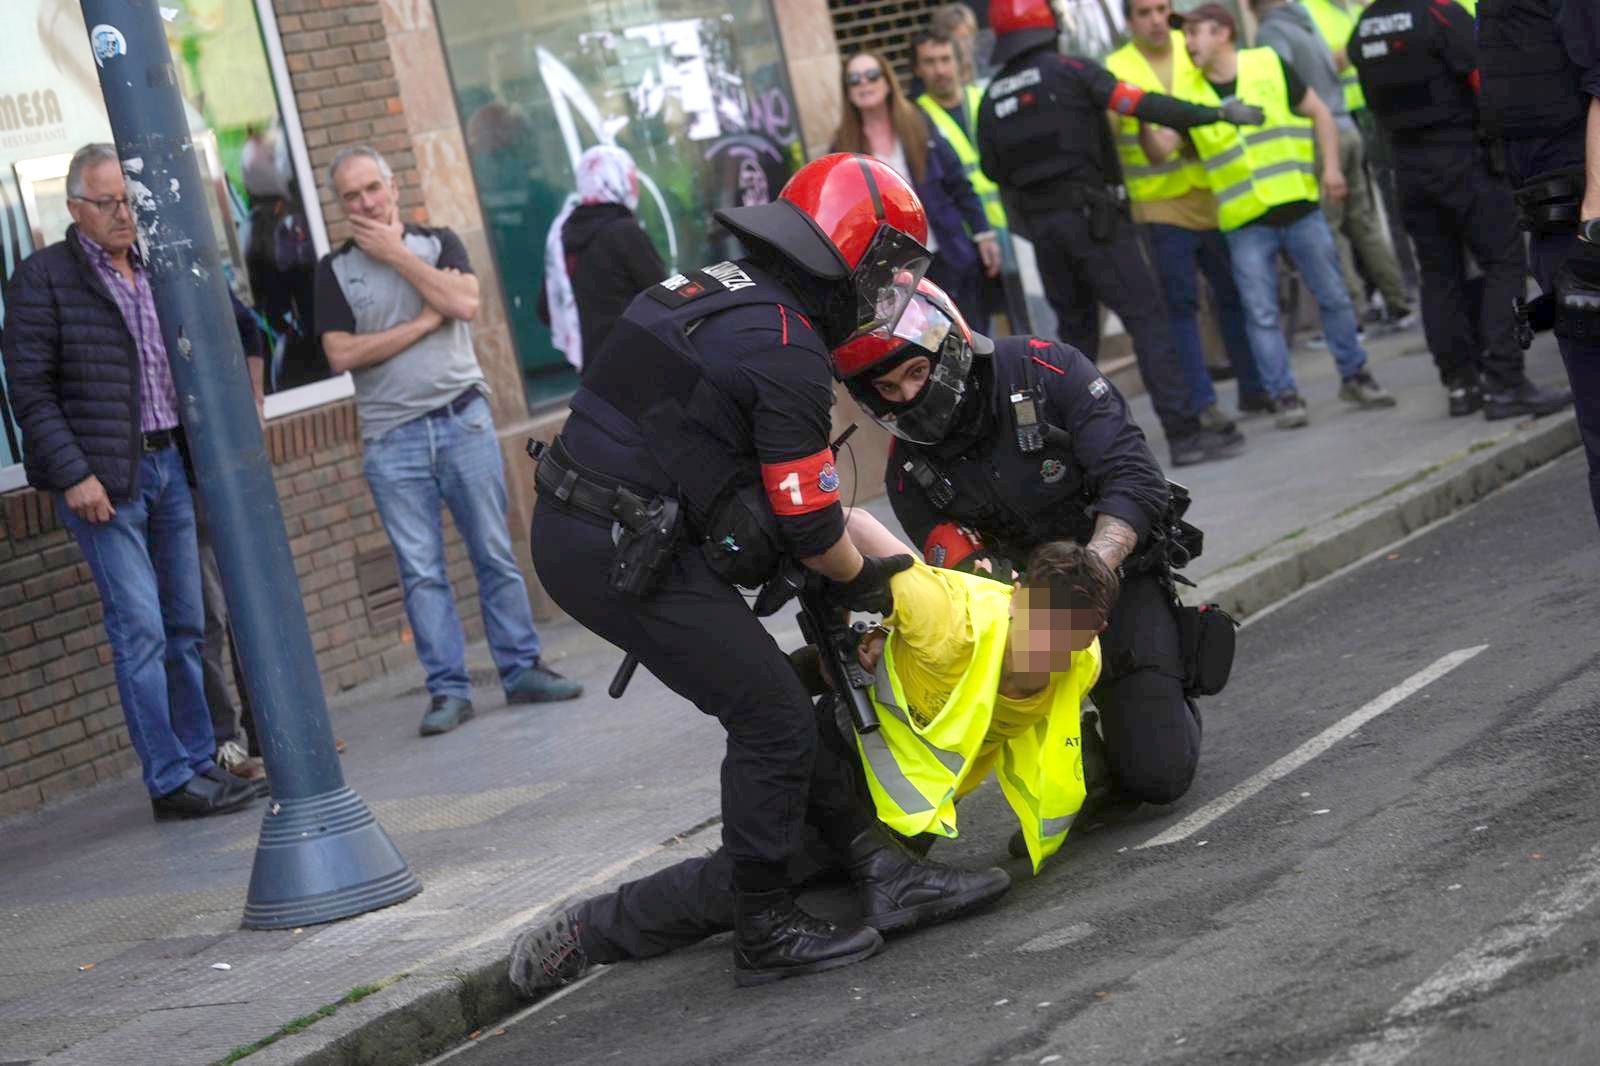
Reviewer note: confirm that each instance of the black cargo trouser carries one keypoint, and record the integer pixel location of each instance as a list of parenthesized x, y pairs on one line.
[(694, 899), (1448, 198), (1151, 729), (697, 635), (1080, 273)]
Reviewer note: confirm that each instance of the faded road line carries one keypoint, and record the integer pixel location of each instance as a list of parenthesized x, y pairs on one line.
[(1477, 969), (1310, 749)]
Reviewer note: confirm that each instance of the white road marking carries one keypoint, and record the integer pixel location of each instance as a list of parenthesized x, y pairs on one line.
[(1479, 967), (1310, 749)]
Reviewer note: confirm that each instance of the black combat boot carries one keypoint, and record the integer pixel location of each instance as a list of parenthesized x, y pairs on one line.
[(899, 891), (774, 938)]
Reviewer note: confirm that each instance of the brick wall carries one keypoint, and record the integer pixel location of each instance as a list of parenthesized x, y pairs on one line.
[(338, 56), (61, 725)]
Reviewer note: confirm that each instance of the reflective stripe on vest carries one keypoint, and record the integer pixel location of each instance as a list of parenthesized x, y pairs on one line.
[(988, 192), (1146, 180), (1336, 23), (1253, 168), (914, 771)]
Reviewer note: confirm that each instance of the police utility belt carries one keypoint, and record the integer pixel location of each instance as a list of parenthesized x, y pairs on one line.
[(1101, 205), (645, 531)]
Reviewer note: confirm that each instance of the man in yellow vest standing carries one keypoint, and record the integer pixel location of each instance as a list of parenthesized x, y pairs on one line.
[(1265, 181), (951, 103), (1173, 204), (1292, 31)]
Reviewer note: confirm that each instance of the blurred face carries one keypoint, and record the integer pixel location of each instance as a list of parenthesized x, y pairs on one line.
[(364, 191), (939, 70), (1044, 636), (1205, 41), (1147, 21), (904, 382), (865, 83), (102, 212)]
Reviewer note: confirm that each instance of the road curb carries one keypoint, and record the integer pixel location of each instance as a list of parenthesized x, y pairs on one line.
[(422, 1015), (1295, 561)]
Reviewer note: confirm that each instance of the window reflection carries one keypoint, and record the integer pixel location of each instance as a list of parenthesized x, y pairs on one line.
[(695, 90)]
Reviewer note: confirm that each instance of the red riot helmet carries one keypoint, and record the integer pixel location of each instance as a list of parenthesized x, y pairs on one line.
[(931, 327), (846, 218), (1020, 25)]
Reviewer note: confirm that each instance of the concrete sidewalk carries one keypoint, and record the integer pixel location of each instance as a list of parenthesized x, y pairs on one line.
[(111, 926)]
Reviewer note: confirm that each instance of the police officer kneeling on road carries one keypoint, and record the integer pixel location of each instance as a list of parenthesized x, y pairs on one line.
[(1418, 65), (696, 459), (1043, 136), (1021, 441)]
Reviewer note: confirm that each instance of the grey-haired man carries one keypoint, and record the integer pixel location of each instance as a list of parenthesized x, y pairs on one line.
[(393, 308)]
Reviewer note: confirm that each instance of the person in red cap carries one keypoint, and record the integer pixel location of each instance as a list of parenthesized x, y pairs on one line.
[(696, 460), (1044, 139)]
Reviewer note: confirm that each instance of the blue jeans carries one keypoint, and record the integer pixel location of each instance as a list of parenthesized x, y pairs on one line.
[(1179, 253), (452, 458), (146, 564), (1309, 245)]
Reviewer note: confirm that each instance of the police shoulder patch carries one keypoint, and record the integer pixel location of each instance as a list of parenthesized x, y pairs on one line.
[(1099, 387), (680, 289)]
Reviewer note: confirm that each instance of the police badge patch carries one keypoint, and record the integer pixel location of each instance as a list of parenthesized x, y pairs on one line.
[(828, 478), (1052, 471), (1099, 387)]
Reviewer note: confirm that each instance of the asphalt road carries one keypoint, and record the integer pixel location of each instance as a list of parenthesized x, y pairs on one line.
[(1390, 853)]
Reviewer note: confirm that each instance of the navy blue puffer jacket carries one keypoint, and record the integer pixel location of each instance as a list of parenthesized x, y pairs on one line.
[(73, 370)]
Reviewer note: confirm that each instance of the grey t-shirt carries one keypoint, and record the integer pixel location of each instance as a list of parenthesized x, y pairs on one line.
[(1289, 30), (358, 294)]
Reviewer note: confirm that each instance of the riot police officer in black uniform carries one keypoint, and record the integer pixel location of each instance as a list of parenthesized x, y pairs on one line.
[(1418, 66), (1540, 66), (1043, 136), (696, 458), (1019, 441)]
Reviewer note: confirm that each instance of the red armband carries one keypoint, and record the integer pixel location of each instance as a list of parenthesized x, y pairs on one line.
[(948, 545), (1124, 98), (800, 486), (1475, 82)]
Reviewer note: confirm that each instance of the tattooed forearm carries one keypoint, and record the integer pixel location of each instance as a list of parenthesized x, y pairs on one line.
[(1113, 539)]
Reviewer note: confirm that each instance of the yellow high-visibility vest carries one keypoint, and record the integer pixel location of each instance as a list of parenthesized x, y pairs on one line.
[(1336, 24), (967, 152), (1146, 180), (1252, 168), (915, 771)]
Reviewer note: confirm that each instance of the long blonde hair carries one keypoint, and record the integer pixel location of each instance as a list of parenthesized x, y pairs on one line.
[(910, 127)]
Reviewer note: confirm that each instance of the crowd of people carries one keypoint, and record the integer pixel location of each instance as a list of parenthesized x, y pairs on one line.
[(1044, 531)]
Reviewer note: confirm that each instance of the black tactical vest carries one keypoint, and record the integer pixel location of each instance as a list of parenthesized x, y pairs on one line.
[(1530, 87), (1015, 499), (1041, 135), (650, 411), (1407, 84)]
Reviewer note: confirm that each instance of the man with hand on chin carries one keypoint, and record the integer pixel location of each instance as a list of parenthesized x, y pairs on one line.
[(393, 308)]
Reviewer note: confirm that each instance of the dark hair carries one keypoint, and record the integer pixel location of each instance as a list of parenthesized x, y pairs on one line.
[(929, 37), (1075, 577), (910, 124)]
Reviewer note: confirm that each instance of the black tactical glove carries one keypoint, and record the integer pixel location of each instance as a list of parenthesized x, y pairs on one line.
[(1240, 113), (869, 589)]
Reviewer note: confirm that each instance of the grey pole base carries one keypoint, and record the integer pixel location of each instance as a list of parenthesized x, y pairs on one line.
[(320, 859)]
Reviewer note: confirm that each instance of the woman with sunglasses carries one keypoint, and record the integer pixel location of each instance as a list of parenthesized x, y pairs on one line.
[(879, 120)]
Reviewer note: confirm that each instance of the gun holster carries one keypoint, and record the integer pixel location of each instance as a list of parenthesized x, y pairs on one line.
[(645, 531), (1206, 635)]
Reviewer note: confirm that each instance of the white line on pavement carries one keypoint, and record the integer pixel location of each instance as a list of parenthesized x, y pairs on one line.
[(1310, 749), (1479, 967)]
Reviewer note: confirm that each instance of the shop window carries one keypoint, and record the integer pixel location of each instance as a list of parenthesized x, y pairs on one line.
[(694, 89), (50, 105)]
